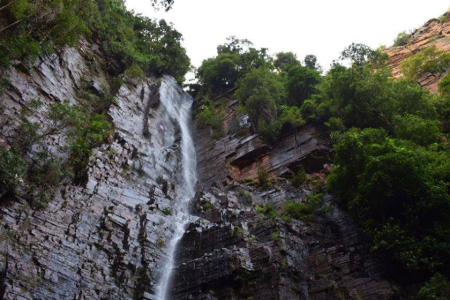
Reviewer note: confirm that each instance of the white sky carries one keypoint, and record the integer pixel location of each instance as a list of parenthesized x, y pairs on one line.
[(320, 27)]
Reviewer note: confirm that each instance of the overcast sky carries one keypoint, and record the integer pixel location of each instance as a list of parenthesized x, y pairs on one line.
[(320, 27)]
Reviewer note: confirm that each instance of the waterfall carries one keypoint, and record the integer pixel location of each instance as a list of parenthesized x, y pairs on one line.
[(178, 105)]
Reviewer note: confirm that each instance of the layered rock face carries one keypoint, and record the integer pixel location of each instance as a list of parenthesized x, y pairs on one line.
[(434, 33), (236, 251), (104, 239)]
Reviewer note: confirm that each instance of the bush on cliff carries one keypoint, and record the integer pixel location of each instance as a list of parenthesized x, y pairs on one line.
[(438, 288), (430, 60), (29, 28), (12, 170), (210, 117), (402, 39), (40, 170)]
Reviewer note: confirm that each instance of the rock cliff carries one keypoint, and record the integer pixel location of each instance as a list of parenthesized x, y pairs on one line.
[(105, 238), (435, 32), (234, 251)]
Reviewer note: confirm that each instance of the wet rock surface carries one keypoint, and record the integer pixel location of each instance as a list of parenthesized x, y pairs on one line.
[(104, 239)]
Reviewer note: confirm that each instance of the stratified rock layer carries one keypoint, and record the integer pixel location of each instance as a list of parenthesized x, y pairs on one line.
[(102, 240), (434, 33)]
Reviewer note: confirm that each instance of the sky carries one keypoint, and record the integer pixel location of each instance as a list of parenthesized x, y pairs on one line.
[(320, 27)]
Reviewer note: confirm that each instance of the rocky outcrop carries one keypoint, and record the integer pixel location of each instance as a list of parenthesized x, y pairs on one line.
[(104, 239), (238, 157), (435, 32)]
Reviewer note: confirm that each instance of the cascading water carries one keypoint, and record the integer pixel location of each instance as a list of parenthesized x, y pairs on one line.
[(178, 106)]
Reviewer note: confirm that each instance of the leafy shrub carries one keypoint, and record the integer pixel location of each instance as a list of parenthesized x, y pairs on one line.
[(304, 211), (418, 130), (237, 231), (335, 124), (444, 86), (84, 132), (298, 177), (210, 117), (402, 39), (292, 115), (275, 236), (263, 177), (29, 27), (438, 288), (269, 210), (430, 60), (46, 173), (12, 170)]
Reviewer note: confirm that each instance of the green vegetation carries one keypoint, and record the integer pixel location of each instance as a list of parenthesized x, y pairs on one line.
[(430, 60), (392, 186), (402, 39), (438, 288), (298, 177), (238, 232), (233, 61), (270, 91), (166, 211), (210, 117), (85, 131), (304, 211), (269, 210), (34, 172), (391, 169), (12, 170), (263, 177), (140, 45), (275, 236)]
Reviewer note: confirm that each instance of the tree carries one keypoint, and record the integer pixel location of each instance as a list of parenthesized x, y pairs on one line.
[(234, 60), (402, 39), (301, 84), (311, 62), (365, 94), (285, 61), (261, 92), (398, 193), (166, 4)]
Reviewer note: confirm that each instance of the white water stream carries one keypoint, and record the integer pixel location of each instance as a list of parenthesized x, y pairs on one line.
[(178, 105)]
